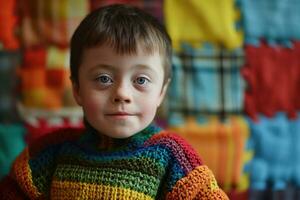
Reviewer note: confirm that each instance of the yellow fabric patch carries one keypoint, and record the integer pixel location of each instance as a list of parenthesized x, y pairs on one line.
[(197, 21)]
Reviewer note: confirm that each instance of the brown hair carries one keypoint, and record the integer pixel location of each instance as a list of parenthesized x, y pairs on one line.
[(122, 27)]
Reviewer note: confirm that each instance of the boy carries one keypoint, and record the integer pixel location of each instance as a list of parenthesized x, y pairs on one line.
[(120, 70)]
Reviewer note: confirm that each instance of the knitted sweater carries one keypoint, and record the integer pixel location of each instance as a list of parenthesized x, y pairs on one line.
[(153, 164)]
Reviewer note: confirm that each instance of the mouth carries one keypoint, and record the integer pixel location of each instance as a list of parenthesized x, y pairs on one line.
[(119, 115)]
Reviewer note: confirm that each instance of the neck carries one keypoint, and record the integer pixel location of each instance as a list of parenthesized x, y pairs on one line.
[(105, 143)]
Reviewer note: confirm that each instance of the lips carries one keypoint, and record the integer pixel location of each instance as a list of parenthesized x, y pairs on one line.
[(119, 115)]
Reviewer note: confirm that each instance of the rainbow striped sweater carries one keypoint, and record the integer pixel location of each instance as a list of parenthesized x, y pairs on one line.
[(79, 164)]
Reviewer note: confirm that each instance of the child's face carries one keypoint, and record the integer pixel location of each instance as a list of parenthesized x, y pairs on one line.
[(119, 94)]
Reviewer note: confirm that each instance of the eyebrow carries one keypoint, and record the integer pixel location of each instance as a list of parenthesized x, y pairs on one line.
[(115, 68), (102, 66), (144, 67)]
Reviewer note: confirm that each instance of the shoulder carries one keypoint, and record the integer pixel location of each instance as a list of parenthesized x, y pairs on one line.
[(34, 166), (170, 139), (180, 149), (54, 139), (167, 138), (46, 146)]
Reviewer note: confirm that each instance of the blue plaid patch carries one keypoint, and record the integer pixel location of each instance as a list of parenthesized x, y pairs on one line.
[(205, 80)]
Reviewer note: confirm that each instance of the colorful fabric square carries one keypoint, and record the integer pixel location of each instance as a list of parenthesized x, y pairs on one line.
[(153, 164), (57, 58), (34, 58), (55, 78), (273, 20), (51, 87), (153, 7), (9, 63), (205, 80), (50, 22), (203, 21), (39, 127), (273, 76), (276, 161), (8, 25), (223, 146), (12, 143)]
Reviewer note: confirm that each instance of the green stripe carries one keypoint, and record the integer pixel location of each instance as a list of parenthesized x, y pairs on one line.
[(107, 176), (154, 168)]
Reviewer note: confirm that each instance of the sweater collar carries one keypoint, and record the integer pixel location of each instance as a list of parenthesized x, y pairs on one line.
[(99, 142)]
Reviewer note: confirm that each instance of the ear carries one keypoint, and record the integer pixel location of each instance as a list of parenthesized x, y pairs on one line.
[(163, 92), (76, 93)]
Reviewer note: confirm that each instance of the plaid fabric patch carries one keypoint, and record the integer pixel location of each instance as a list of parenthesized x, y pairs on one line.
[(50, 21), (153, 7), (275, 20), (205, 80), (222, 146)]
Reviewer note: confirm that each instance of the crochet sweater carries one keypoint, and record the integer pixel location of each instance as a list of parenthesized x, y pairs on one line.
[(153, 164)]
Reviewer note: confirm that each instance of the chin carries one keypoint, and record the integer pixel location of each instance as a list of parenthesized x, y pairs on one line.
[(121, 133)]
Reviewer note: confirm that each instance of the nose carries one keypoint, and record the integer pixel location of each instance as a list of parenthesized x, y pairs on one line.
[(122, 94)]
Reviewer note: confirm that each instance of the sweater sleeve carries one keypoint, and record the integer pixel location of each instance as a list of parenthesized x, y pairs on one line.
[(30, 175), (186, 177), (197, 184), (10, 190), (19, 183), (31, 172)]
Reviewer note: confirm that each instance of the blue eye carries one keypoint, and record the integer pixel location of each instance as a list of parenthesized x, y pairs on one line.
[(141, 80), (105, 79)]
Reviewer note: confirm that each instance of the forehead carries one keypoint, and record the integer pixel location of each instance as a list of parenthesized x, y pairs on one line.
[(105, 55)]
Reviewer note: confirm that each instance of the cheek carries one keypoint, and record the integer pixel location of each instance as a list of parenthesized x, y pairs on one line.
[(92, 105), (149, 107)]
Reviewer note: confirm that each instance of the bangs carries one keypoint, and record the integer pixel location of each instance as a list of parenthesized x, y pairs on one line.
[(126, 38)]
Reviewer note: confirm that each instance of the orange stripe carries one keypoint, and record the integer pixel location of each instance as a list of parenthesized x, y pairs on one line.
[(198, 184), (23, 175)]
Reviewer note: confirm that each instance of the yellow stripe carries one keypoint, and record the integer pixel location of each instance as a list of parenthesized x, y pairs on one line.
[(76, 190)]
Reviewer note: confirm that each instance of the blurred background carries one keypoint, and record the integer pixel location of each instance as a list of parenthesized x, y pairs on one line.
[(235, 93)]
